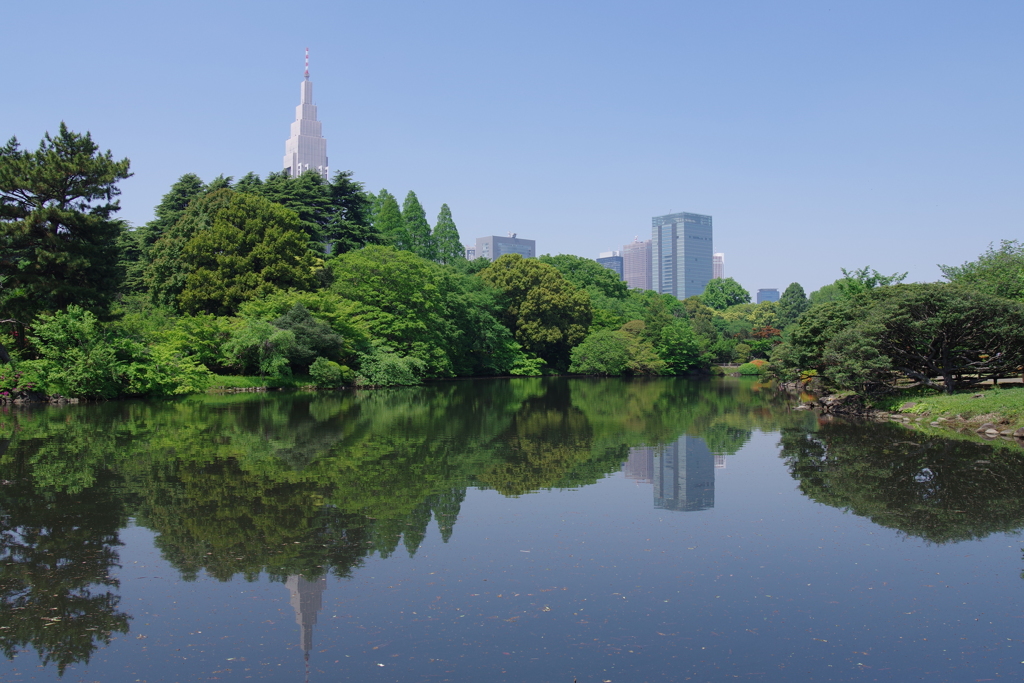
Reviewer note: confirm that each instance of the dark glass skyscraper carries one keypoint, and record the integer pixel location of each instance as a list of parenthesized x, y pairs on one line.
[(681, 254)]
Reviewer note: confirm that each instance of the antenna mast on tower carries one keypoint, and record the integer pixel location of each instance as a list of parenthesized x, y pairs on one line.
[(307, 63)]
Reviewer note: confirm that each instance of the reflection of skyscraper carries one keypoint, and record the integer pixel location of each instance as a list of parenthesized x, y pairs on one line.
[(684, 476), (640, 465), (307, 603)]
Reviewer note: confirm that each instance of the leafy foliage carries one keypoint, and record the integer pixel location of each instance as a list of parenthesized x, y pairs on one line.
[(997, 272), (721, 293)]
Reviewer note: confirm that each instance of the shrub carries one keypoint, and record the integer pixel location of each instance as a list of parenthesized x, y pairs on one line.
[(749, 369), (328, 374), (385, 368)]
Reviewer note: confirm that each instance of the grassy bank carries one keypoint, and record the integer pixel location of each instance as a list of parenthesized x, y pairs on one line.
[(998, 405), (232, 382)]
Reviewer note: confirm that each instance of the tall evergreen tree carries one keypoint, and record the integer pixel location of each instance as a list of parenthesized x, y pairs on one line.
[(447, 245), (351, 225), (792, 303), (388, 221), (58, 236), (421, 242), (171, 208)]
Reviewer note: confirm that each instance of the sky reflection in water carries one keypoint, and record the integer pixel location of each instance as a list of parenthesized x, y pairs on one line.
[(531, 531)]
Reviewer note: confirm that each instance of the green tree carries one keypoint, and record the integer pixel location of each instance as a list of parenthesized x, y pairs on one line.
[(417, 229), (721, 293), (679, 347), (546, 313), (172, 207), (350, 226), (792, 304), (248, 248), (448, 246), (827, 294), (58, 237), (313, 338), (999, 272), (863, 279), (588, 274), (387, 220)]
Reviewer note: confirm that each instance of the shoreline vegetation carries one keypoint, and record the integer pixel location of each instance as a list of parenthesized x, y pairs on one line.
[(299, 282)]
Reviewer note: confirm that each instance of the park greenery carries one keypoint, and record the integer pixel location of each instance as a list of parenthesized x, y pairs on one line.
[(310, 281)]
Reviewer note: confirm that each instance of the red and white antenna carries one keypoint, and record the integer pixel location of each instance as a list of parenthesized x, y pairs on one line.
[(307, 63)]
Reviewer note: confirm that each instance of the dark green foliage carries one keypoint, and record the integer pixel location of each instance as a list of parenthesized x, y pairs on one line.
[(58, 238), (417, 229), (588, 274), (792, 304), (935, 335), (448, 246), (172, 207), (546, 313), (721, 293), (313, 338), (350, 226), (999, 272), (244, 248), (308, 196)]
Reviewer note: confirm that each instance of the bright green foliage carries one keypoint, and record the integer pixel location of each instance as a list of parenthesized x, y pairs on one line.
[(203, 337), (721, 293), (617, 352), (999, 272), (792, 304), (81, 360), (546, 313), (328, 374), (417, 229), (313, 338), (679, 347), (825, 295), (385, 368), (387, 221), (588, 274), (58, 240), (160, 370), (447, 244), (260, 348), (863, 279), (249, 248), (934, 335)]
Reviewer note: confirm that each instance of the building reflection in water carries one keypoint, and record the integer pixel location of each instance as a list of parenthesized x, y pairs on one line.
[(307, 601), (682, 472)]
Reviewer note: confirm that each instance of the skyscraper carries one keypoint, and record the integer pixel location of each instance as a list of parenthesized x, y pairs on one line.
[(718, 266), (494, 247), (306, 149), (681, 248), (612, 260), (767, 295), (636, 264)]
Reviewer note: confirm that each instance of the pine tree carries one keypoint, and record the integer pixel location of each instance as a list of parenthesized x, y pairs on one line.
[(421, 242), (58, 236), (448, 247), (388, 220), (171, 208)]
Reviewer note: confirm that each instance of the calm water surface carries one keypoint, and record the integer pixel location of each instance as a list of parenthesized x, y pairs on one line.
[(526, 530)]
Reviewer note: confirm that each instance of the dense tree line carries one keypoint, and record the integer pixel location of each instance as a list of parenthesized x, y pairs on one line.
[(276, 275)]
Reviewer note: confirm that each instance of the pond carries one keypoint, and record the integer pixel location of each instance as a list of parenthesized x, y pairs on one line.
[(537, 530)]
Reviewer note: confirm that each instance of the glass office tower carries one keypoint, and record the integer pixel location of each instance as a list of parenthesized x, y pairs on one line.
[(681, 254)]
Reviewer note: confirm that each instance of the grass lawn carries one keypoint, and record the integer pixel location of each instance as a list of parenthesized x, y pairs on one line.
[(984, 404), (224, 382)]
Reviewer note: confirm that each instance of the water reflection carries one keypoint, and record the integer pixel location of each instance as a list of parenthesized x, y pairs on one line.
[(295, 487)]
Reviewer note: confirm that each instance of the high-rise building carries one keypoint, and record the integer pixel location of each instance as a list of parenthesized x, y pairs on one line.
[(767, 295), (718, 266), (612, 260), (493, 247), (636, 264), (681, 249), (684, 475), (470, 252), (306, 149)]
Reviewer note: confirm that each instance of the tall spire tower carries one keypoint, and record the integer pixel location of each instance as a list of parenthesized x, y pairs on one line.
[(306, 149)]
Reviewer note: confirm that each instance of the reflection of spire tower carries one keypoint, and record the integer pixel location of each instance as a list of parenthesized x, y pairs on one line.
[(306, 149), (684, 476), (306, 601)]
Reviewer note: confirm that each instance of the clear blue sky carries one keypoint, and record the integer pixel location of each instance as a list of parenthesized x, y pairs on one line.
[(818, 135)]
